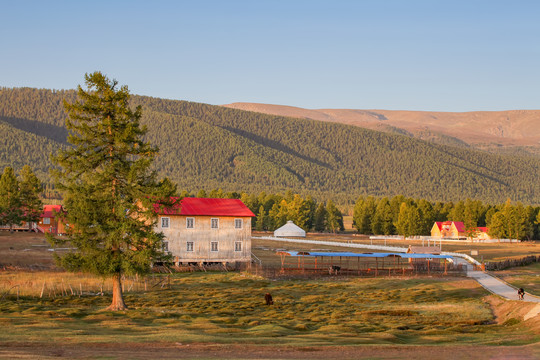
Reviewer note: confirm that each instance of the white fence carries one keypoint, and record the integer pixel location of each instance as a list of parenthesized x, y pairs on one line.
[(437, 239)]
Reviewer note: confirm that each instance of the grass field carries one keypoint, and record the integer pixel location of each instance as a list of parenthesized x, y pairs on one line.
[(229, 308), (526, 277), (43, 311)]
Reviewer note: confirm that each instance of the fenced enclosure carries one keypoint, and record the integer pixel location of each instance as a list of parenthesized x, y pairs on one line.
[(510, 263), (54, 284), (273, 272)]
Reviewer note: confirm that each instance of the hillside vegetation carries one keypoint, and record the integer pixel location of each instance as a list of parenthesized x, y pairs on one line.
[(206, 146)]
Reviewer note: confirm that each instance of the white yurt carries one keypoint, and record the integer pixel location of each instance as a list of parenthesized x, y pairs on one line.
[(290, 229)]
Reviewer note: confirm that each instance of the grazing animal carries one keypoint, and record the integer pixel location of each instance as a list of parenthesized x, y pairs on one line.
[(334, 269), (268, 299), (521, 293)]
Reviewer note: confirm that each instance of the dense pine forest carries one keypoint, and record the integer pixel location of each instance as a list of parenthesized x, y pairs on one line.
[(206, 146), (398, 215)]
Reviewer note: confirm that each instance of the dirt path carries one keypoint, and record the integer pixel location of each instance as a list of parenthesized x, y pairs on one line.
[(234, 351)]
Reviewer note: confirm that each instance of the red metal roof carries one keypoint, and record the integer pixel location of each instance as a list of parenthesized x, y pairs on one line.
[(483, 229), (50, 210), (459, 225), (209, 207)]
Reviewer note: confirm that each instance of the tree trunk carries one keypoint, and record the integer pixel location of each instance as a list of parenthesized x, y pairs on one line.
[(117, 299)]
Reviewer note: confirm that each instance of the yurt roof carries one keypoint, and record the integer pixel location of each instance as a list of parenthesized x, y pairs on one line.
[(290, 229)]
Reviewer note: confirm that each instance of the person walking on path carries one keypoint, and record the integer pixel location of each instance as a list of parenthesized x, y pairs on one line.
[(521, 293)]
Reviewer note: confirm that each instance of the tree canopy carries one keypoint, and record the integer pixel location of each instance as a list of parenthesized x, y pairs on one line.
[(19, 198), (108, 186)]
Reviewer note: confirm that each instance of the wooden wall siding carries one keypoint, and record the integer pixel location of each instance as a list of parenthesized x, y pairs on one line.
[(435, 232), (56, 226), (177, 235)]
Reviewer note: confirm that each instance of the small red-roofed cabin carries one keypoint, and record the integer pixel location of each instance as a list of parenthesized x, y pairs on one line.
[(200, 230), (51, 221), (449, 230)]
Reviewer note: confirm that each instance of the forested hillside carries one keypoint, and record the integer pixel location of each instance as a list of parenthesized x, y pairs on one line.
[(205, 146)]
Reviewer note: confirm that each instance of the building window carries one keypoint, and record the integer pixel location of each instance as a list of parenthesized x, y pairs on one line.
[(238, 246), (215, 223), (46, 221), (189, 246), (165, 246), (164, 222), (190, 223), (214, 246), (238, 223)]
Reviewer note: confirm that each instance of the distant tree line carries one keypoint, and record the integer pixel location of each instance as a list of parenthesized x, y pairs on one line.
[(274, 210), (398, 215), (406, 216)]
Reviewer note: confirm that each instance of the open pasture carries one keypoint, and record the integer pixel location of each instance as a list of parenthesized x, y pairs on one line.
[(527, 277), (25, 249), (229, 308), (208, 315)]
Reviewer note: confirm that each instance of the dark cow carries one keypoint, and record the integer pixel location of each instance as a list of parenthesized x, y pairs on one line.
[(334, 269), (268, 299)]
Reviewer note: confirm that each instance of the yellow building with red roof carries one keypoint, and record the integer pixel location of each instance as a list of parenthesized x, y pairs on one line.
[(456, 230)]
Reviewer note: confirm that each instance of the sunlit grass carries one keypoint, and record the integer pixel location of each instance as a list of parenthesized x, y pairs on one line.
[(230, 308), (526, 277)]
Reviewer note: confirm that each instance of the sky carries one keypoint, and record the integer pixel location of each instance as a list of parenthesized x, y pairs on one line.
[(432, 55)]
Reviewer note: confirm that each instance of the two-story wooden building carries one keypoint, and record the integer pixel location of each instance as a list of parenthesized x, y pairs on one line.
[(202, 231)]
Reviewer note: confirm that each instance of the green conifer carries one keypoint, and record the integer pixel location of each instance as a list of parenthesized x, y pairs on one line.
[(108, 187), (30, 188), (11, 212)]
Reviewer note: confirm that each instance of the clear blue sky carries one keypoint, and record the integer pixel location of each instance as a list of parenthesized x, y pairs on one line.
[(447, 55)]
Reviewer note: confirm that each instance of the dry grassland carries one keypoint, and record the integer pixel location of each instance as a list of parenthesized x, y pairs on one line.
[(209, 315)]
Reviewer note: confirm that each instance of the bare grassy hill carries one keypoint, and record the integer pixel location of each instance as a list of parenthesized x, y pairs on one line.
[(480, 128)]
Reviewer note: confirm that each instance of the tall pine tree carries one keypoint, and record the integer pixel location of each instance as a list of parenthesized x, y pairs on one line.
[(334, 218), (320, 218), (11, 212), (262, 220), (29, 189), (108, 186)]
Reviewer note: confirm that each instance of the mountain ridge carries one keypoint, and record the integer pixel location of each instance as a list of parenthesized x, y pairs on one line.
[(209, 146), (481, 129)]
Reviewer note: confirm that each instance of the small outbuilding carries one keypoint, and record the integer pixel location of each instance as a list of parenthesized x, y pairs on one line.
[(51, 221), (434, 250), (290, 229)]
